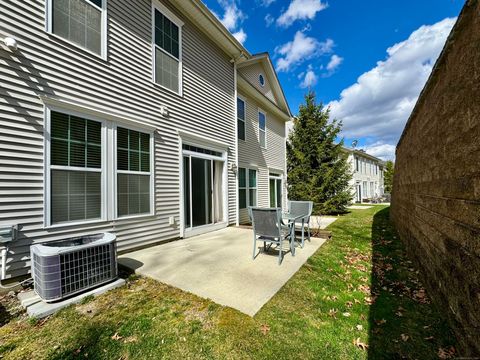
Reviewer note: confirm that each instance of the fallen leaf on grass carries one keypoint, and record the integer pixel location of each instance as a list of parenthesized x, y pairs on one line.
[(264, 328), (116, 336), (346, 314), (405, 337), (356, 301), (363, 317), (360, 344), (369, 300), (359, 327), (349, 304), (429, 338), (333, 313), (380, 322), (130, 339), (446, 353)]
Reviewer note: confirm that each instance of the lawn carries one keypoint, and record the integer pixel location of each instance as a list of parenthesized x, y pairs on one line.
[(357, 297)]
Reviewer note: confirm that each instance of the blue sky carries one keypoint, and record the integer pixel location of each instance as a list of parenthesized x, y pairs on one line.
[(367, 60)]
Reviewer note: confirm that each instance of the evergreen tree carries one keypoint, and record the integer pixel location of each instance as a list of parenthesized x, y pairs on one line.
[(317, 165), (388, 176)]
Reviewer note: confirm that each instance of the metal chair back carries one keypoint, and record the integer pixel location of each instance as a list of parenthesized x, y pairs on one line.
[(267, 221), (301, 208)]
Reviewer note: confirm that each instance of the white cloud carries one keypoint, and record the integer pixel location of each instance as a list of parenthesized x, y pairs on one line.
[(232, 14), (380, 150), (240, 35), (232, 18), (301, 48), (378, 105), (334, 62), (266, 3), (309, 78), (300, 10), (269, 20)]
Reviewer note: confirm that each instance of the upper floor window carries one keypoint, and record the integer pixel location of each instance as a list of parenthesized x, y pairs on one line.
[(82, 22), (167, 49), (240, 119), (262, 129), (261, 80), (356, 164)]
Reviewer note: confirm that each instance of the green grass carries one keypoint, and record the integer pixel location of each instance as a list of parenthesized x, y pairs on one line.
[(359, 285)]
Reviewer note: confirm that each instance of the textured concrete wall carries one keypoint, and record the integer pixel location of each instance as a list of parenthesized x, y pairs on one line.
[(436, 195)]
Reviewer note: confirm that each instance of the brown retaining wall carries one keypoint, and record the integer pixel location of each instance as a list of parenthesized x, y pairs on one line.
[(436, 192)]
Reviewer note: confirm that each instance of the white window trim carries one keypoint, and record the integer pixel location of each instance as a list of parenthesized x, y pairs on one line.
[(151, 173), (276, 177), (104, 37), (260, 111), (264, 81), (108, 169), (156, 5), (247, 187), (252, 188), (245, 114), (48, 167)]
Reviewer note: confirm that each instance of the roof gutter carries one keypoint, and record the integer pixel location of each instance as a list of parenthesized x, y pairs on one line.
[(229, 43)]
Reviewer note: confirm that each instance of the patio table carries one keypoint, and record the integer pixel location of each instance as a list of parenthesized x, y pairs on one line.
[(291, 218)]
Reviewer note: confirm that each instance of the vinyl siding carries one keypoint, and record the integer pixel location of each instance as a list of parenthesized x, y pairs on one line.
[(251, 74), (47, 65), (271, 159)]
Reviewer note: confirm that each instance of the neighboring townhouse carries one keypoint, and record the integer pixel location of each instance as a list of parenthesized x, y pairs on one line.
[(121, 116), (367, 175)]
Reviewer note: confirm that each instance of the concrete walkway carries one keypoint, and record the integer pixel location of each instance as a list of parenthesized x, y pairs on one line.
[(219, 266)]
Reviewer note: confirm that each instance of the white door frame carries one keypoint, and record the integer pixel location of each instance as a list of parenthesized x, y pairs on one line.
[(187, 138), (274, 177)]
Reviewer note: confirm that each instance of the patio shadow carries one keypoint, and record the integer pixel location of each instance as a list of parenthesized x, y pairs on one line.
[(403, 323)]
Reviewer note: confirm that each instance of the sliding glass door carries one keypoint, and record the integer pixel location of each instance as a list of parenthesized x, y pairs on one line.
[(275, 182), (202, 189)]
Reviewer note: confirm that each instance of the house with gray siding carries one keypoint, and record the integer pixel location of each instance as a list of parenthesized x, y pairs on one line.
[(145, 118)]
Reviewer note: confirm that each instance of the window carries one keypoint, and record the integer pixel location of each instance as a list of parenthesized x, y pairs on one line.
[(261, 80), (356, 164), (77, 159), (240, 119), (82, 22), (133, 172), (252, 187), (75, 169), (167, 50), (275, 185), (262, 129), (247, 187)]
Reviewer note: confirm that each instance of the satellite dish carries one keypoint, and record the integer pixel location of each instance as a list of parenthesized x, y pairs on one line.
[(354, 144)]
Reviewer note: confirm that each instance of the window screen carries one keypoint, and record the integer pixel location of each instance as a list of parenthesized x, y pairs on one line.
[(75, 143), (133, 172), (241, 119), (262, 129), (252, 187), (167, 52), (242, 188), (79, 21)]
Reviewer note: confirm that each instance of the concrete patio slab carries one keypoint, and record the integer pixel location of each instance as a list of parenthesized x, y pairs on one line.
[(321, 222), (359, 207), (219, 266)]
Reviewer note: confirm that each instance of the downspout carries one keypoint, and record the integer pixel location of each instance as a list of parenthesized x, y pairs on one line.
[(235, 95)]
